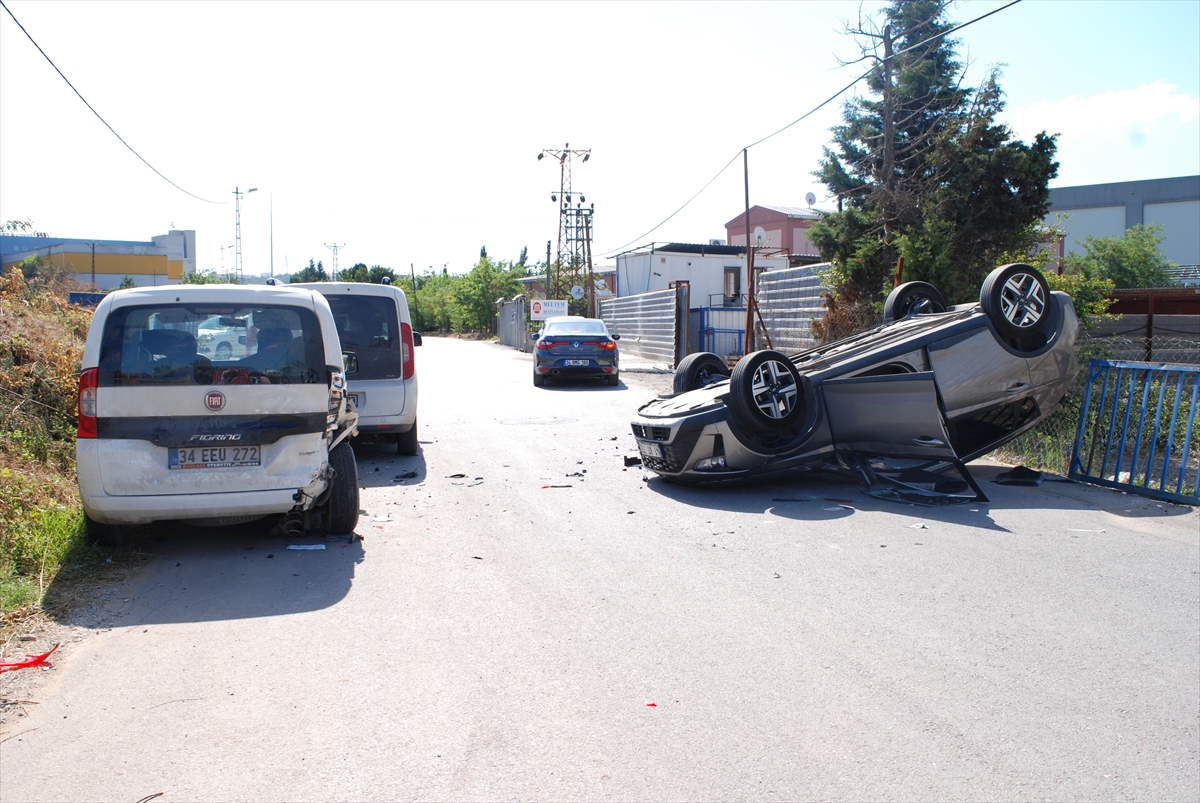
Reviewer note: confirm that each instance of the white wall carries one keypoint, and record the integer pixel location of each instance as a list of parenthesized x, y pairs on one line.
[(1181, 226), (1102, 221), (643, 272)]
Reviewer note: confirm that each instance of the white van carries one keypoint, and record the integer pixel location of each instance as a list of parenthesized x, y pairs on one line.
[(381, 371), (169, 433)]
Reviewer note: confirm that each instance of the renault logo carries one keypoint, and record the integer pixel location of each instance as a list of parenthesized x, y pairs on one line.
[(214, 400), (575, 344)]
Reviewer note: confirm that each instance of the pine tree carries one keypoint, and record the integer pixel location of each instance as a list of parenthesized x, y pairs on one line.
[(923, 171)]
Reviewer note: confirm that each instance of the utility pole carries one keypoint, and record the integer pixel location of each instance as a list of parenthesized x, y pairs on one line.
[(574, 223), (272, 235), (333, 264), (416, 312), (889, 150), (92, 243), (237, 239), (748, 346)]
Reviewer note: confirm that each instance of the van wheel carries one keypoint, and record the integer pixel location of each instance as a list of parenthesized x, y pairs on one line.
[(102, 534), (406, 442), (343, 497)]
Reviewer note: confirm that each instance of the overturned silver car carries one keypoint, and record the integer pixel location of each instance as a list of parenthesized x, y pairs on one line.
[(896, 406)]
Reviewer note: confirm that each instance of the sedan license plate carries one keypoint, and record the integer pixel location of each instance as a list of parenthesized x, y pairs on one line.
[(570, 363), (214, 457), (650, 450)]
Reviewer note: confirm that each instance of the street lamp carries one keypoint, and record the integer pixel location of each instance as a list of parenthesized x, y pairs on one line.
[(237, 239)]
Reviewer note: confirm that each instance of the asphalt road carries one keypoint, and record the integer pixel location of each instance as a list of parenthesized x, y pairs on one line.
[(604, 637)]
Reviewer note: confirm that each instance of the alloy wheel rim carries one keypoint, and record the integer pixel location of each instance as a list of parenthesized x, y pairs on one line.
[(1022, 301), (774, 390)]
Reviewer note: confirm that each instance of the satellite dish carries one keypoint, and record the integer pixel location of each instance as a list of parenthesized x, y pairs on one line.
[(810, 199), (760, 235), (576, 292)]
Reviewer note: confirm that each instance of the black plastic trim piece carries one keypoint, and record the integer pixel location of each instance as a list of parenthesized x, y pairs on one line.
[(211, 430)]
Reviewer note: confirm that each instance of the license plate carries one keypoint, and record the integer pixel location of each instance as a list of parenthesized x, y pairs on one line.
[(570, 363), (650, 449), (214, 457), (356, 400)]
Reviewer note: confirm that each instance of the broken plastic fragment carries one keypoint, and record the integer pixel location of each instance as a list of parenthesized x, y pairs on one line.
[(919, 526), (305, 547), (29, 662)]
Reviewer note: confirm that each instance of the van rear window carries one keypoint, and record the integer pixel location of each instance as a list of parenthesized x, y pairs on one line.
[(367, 327), (209, 344)]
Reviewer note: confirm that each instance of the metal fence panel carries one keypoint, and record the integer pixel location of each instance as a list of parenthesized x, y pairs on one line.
[(648, 324), (513, 327), (789, 300), (1137, 429)]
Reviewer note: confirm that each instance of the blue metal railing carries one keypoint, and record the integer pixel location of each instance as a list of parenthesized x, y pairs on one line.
[(1137, 430), (721, 341)]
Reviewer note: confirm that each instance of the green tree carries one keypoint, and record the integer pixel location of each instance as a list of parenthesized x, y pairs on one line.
[(314, 272), (1134, 260), (483, 252), (126, 283), (923, 171), (476, 293), (202, 277), (377, 274), (356, 273)]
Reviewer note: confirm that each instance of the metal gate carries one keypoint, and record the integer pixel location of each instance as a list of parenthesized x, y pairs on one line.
[(512, 325), (788, 301), (650, 324), (1137, 430)]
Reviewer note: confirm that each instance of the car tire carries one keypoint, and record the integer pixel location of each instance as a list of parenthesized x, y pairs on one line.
[(539, 381), (614, 380), (765, 391), (406, 442), (102, 534), (1016, 299), (224, 351), (343, 496), (912, 298), (699, 370)]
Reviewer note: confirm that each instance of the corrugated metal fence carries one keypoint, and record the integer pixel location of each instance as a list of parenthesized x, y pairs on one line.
[(650, 324), (512, 325), (789, 300)]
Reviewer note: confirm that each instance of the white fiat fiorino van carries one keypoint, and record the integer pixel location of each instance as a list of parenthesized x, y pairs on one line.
[(169, 433), (381, 370)]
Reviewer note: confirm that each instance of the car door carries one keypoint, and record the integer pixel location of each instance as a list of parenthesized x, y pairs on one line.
[(887, 415), (974, 372)]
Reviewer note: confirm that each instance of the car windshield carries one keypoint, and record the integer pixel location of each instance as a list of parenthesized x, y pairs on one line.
[(575, 328), (153, 345)]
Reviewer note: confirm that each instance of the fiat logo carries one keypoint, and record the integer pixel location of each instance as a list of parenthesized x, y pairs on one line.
[(214, 400)]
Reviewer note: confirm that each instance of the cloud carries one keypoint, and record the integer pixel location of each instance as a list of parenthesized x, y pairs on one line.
[(1119, 135)]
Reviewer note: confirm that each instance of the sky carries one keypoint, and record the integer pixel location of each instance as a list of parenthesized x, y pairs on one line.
[(407, 133)]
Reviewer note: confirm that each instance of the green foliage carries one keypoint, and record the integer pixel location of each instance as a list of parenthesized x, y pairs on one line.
[(949, 192), (126, 283), (1092, 295), (476, 293), (1135, 260), (315, 272), (203, 277)]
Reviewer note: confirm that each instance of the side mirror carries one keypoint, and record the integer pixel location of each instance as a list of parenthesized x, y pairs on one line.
[(615, 336), (533, 336), (349, 363), (416, 338)]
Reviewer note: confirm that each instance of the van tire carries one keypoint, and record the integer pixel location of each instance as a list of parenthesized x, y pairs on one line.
[(406, 442), (102, 534), (343, 496)]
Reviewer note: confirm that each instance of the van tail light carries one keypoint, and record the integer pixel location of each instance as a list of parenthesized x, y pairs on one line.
[(407, 355), (87, 404)]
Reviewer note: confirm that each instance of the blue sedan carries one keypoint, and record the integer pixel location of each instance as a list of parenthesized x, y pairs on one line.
[(571, 347)]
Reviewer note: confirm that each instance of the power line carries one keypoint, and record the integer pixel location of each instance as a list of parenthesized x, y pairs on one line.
[(809, 113), (98, 117)]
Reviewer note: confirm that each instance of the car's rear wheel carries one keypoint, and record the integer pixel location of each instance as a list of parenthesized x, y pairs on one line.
[(1016, 298), (699, 370), (614, 380), (765, 392), (406, 442), (102, 534), (912, 298), (343, 496), (539, 380)]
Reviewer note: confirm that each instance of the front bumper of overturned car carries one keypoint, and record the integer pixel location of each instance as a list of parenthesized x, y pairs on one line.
[(696, 448)]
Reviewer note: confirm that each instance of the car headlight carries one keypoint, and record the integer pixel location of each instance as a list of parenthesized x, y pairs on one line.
[(711, 464)]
